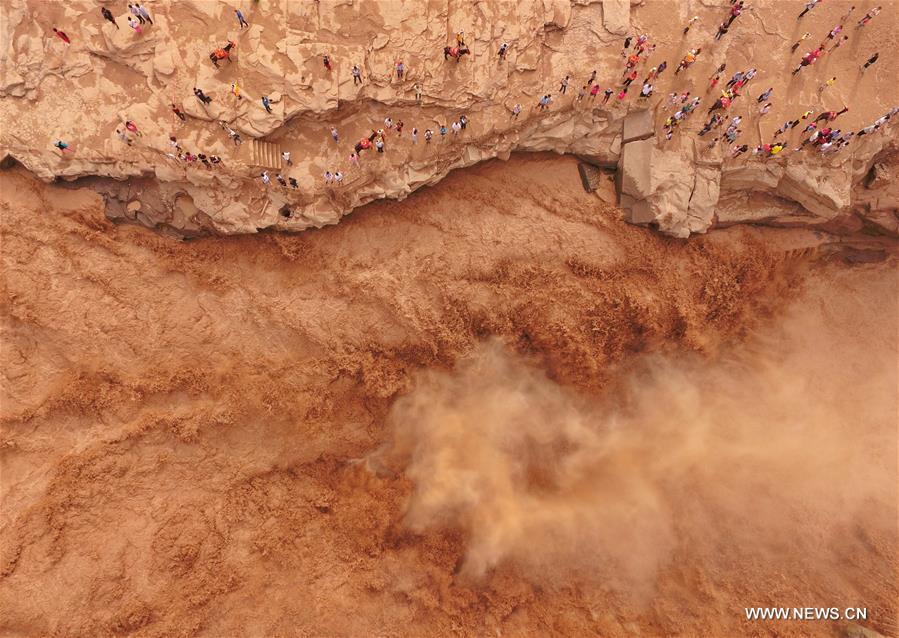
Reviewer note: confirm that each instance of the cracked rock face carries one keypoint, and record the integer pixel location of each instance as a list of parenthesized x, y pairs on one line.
[(83, 92)]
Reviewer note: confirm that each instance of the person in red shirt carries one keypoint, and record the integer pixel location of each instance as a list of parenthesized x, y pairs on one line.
[(62, 35), (131, 126)]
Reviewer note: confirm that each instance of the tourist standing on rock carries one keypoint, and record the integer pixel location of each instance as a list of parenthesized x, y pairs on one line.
[(690, 24), (544, 102), (144, 13), (136, 13), (456, 128), (379, 144), (630, 78), (285, 155), (134, 25), (179, 113), (662, 67), (830, 116), (357, 75), (764, 96), (399, 128), (108, 15), (338, 177), (265, 177), (235, 89), (328, 177), (829, 83), (400, 69), (417, 88), (131, 126), (334, 134), (632, 61), (234, 135), (805, 36), (735, 12), (442, 132), (689, 59), (722, 29), (646, 91), (839, 43), (503, 48), (594, 91), (808, 7), (293, 183), (581, 94), (266, 103), (871, 61), (868, 17), (607, 94), (62, 146), (241, 19), (736, 77), (326, 60), (428, 135), (205, 99), (414, 135), (516, 110), (564, 85), (281, 179), (62, 35), (124, 137), (835, 32)]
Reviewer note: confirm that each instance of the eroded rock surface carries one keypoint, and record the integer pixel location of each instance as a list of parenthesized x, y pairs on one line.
[(83, 92)]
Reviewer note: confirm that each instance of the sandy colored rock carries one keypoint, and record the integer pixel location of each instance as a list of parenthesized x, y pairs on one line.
[(110, 73), (616, 16), (638, 125)]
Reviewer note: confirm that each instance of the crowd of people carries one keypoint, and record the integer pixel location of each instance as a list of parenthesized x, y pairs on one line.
[(819, 133)]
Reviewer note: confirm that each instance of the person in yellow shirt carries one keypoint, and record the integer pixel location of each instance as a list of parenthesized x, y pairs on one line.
[(235, 89)]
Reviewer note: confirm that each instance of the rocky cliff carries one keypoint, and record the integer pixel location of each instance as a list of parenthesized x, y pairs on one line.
[(84, 92)]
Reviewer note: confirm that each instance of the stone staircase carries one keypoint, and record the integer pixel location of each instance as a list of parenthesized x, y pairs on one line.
[(265, 154)]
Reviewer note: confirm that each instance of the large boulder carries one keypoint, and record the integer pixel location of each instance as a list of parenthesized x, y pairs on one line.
[(637, 126), (616, 16)]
